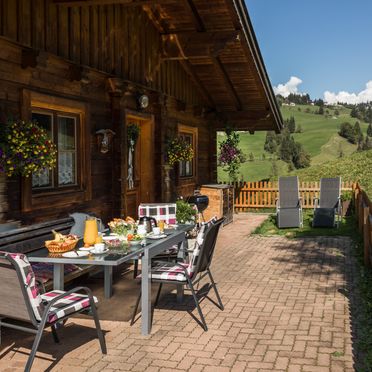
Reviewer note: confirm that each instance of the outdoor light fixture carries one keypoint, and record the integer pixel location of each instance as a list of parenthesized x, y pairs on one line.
[(104, 139), (143, 101)]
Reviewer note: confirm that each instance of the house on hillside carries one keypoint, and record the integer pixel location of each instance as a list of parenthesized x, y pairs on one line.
[(82, 67)]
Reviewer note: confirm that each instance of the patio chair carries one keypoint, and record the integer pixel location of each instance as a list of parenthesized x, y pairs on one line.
[(288, 205), (22, 301), (192, 272), (327, 208)]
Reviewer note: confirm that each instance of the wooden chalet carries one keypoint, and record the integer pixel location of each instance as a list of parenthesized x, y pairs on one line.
[(81, 66)]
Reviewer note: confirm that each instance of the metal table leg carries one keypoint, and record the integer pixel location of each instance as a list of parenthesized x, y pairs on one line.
[(58, 276), (108, 281), (146, 294)]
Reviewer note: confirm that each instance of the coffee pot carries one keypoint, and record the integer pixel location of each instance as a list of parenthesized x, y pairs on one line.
[(148, 222)]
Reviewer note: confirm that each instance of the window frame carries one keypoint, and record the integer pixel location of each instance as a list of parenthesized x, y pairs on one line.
[(59, 195), (193, 132)]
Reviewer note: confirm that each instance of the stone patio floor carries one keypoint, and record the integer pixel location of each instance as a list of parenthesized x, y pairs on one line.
[(285, 310)]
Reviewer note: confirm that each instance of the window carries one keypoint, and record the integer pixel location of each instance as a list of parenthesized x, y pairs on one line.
[(187, 169), (62, 129), (67, 124)]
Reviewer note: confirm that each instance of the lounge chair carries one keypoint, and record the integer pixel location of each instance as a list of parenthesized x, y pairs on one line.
[(327, 208), (288, 205)]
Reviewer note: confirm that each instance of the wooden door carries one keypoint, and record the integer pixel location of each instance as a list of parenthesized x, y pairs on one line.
[(143, 191)]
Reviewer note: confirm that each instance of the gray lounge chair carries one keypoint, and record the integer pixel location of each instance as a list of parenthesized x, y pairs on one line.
[(327, 208), (288, 205)]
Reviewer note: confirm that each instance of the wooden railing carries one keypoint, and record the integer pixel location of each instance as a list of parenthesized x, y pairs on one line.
[(256, 195), (363, 207)]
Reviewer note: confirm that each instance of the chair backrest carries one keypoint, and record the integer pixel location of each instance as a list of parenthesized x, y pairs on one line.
[(159, 211), (20, 298), (289, 192), (204, 247), (330, 192)]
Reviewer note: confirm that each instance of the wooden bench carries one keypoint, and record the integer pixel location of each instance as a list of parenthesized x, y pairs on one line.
[(31, 238)]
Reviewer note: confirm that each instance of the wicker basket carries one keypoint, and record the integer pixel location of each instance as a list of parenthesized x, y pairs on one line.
[(60, 247)]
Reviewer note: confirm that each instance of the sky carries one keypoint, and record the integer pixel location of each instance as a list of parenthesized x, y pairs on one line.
[(320, 47)]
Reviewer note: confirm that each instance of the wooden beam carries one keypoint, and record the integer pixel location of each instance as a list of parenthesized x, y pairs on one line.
[(198, 22), (189, 69), (72, 3), (220, 69)]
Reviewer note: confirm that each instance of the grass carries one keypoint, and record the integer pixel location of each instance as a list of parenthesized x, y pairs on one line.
[(361, 307), (269, 228), (319, 138)]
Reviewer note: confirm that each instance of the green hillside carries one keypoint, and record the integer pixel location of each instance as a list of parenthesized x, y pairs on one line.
[(319, 138), (356, 167)]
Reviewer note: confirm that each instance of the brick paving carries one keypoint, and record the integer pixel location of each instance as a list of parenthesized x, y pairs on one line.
[(285, 310)]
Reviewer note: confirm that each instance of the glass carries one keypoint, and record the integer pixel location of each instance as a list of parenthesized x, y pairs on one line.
[(66, 150), (43, 178), (161, 225), (90, 231)]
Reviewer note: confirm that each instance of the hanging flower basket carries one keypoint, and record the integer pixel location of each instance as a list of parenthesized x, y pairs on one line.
[(179, 150), (25, 149)]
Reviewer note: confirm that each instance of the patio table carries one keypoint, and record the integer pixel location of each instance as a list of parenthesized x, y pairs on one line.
[(115, 258)]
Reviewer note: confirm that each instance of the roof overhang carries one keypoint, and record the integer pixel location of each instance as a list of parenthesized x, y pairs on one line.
[(215, 43)]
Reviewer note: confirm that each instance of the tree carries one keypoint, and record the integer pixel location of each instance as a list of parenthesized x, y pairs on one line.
[(274, 168), (340, 151), (291, 124), (369, 130), (358, 134), (337, 113), (354, 112), (347, 131), (270, 142), (321, 110), (300, 158)]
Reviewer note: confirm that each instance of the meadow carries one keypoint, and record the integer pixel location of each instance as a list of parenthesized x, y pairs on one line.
[(319, 138)]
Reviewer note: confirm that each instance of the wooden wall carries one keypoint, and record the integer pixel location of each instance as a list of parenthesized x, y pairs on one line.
[(108, 41), (117, 39)]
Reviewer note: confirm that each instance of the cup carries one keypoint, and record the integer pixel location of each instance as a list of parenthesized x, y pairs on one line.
[(99, 247), (156, 230), (141, 230)]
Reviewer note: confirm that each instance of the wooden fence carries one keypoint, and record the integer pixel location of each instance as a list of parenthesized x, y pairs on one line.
[(256, 195), (363, 208)]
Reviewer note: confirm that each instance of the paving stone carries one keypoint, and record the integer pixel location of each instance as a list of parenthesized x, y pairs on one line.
[(283, 312)]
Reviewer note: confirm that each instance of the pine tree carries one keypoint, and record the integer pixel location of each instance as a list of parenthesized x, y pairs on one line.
[(270, 142), (369, 130)]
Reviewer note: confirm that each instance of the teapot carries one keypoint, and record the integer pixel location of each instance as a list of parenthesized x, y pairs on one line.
[(148, 222)]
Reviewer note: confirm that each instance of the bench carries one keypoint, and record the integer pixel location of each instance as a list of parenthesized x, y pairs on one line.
[(31, 238)]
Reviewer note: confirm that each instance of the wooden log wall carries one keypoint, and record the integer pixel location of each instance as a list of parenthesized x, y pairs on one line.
[(116, 39), (106, 41)]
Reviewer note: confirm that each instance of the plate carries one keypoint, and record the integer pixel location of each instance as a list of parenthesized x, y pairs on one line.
[(75, 254), (86, 249), (104, 251), (161, 236), (109, 237), (135, 242)]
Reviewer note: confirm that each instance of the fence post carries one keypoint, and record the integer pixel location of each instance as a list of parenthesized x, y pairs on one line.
[(365, 232), (360, 212), (369, 231)]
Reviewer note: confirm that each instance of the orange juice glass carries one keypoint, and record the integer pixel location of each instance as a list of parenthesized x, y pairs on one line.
[(161, 225), (91, 231)]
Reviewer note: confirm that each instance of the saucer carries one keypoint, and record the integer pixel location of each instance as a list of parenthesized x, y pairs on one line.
[(94, 252)]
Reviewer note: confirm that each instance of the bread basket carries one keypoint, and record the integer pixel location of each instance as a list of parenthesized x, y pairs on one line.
[(62, 246)]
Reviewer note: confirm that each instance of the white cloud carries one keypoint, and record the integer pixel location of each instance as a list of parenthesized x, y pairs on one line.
[(291, 86), (346, 97)]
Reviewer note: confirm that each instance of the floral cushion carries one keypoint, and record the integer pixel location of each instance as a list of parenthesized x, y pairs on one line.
[(65, 306)]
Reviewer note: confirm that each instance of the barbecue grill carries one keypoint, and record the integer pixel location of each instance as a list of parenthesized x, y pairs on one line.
[(201, 202)]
